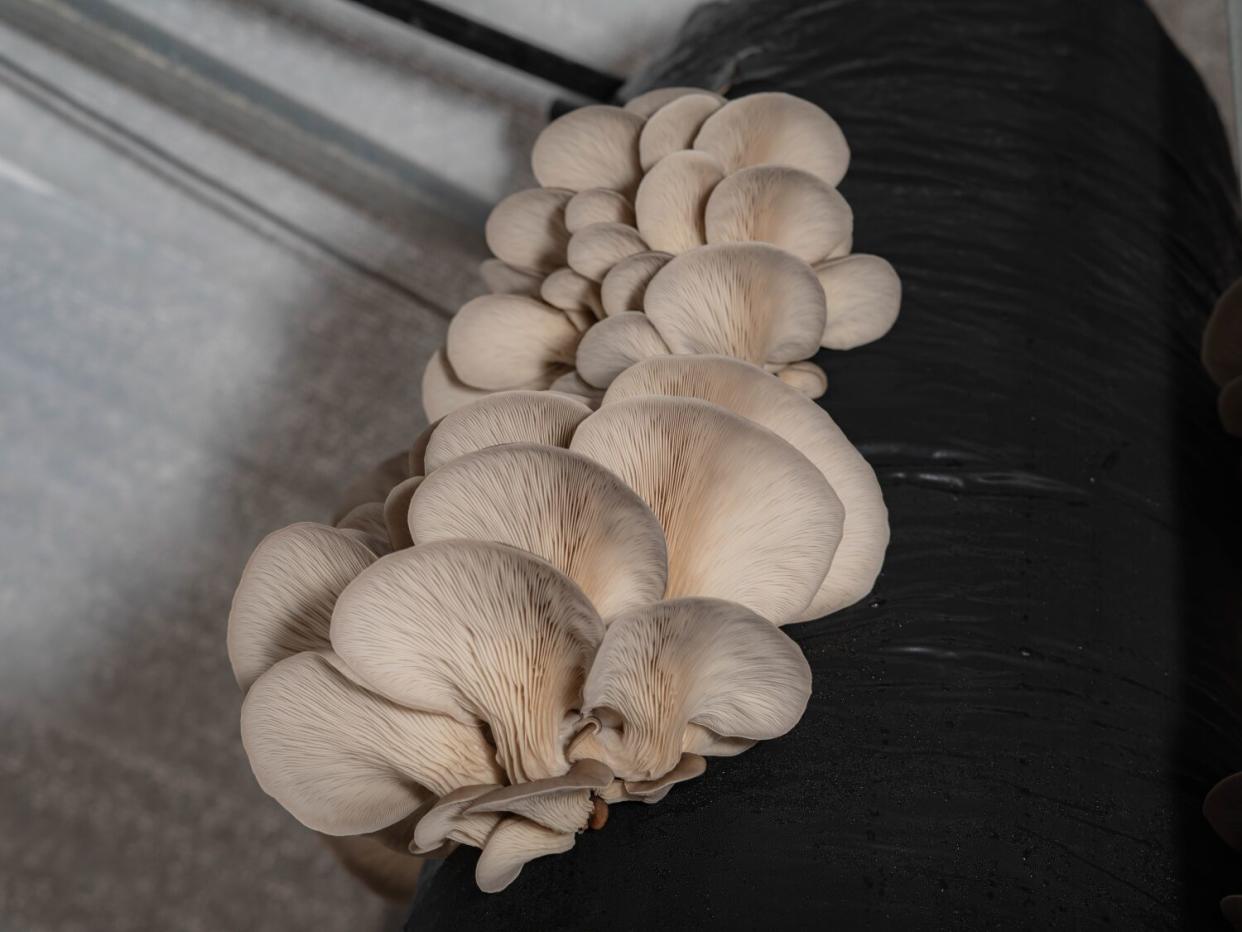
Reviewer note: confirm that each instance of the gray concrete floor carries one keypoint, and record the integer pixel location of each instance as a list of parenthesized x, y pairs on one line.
[(197, 346)]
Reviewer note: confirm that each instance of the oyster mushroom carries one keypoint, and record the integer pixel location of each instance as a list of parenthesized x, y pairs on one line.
[(591, 147), (448, 821), (573, 385), (615, 344), (526, 230), (505, 417), (672, 198), (597, 247), (513, 843), (688, 767), (500, 278), (557, 505), (808, 378), (366, 524), (626, 282), (674, 126), (646, 104), (763, 535), (510, 341), (479, 632), (756, 396), (443, 390), (666, 666), (577, 296), (563, 804), (598, 205), (396, 509), (863, 296)]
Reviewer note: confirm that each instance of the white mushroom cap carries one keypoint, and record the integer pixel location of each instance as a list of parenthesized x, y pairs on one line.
[(763, 535), (597, 247), (747, 300), (1222, 338), (808, 378), (776, 129), (615, 344), (646, 104), (505, 417), (396, 512), (786, 207), (702, 661), (598, 205), (443, 390), (448, 821), (556, 505), (527, 229), (674, 126), (344, 761), (591, 147), (672, 197), (562, 804), (510, 341), (513, 843), (863, 297), (504, 279), (749, 392), (573, 385), (476, 631), (626, 282), (569, 291), (283, 604)]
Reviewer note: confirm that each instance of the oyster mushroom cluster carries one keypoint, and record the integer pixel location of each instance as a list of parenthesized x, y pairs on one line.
[(569, 592), (678, 224)]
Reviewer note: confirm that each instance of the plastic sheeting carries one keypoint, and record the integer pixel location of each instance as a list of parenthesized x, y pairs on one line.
[(1017, 729)]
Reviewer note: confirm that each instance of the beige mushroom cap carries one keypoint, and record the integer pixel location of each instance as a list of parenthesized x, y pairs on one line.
[(748, 300), (626, 282), (597, 247), (1222, 338), (863, 297), (776, 129), (574, 294), (573, 385), (672, 198), (527, 229), (615, 344), (505, 417), (500, 278), (756, 396), (763, 535), (808, 378), (443, 390), (591, 147), (646, 104), (789, 208), (365, 524), (598, 205), (509, 341), (476, 631), (283, 604), (556, 505), (688, 767), (674, 126), (344, 761), (702, 661), (513, 843), (562, 804), (448, 821)]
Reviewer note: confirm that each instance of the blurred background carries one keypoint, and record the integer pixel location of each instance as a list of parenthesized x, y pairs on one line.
[(231, 233)]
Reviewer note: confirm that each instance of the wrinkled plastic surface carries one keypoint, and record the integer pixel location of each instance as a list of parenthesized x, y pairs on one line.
[(1018, 728)]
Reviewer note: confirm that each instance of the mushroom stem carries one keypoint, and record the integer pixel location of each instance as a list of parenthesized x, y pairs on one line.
[(599, 814)]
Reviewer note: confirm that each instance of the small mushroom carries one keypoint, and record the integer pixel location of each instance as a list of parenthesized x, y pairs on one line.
[(756, 396), (478, 632), (671, 200), (646, 104), (573, 385), (626, 282), (615, 344), (562, 804), (344, 761), (776, 129), (283, 604), (504, 279), (527, 229), (597, 247), (442, 390), (448, 820), (396, 512), (863, 296), (510, 341), (808, 378), (1222, 338), (513, 843), (591, 147), (597, 205), (748, 300), (665, 666), (557, 505), (787, 207), (763, 535), (505, 417), (571, 292), (674, 126)]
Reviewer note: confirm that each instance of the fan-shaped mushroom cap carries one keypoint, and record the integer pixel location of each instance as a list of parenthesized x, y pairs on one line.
[(648, 103), (671, 200), (763, 535), (863, 296), (1222, 338), (597, 247), (449, 821), (626, 282), (702, 661), (569, 291), (747, 300), (557, 505), (786, 207), (674, 126), (504, 279), (615, 344), (505, 417), (756, 396), (443, 390), (344, 761), (776, 129), (527, 229), (701, 740), (1229, 407), (513, 843), (396, 512), (598, 205), (475, 631), (562, 804), (808, 378), (591, 147), (509, 341), (283, 604), (572, 384)]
